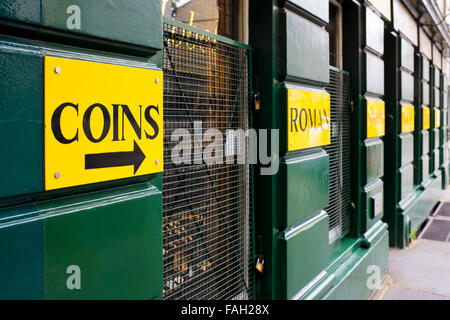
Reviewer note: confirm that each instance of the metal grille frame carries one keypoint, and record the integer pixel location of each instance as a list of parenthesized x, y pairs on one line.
[(339, 154), (207, 211)]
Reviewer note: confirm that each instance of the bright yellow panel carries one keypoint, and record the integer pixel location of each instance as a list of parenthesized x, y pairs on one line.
[(425, 118), (102, 122), (437, 118), (407, 118), (375, 118), (309, 119)]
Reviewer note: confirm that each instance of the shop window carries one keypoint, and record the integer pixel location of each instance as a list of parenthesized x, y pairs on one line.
[(216, 16)]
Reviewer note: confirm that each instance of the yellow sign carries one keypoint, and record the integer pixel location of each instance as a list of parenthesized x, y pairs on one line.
[(407, 118), (309, 119), (102, 122), (437, 118), (375, 118), (425, 118)]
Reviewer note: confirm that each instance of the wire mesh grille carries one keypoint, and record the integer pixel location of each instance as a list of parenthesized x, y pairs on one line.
[(339, 155), (207, 251)]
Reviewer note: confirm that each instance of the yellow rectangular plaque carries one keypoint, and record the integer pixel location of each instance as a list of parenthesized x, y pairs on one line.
[(437, 118), (425, 118), (309, 121), (375, 118), (407, 118), (102, 122)]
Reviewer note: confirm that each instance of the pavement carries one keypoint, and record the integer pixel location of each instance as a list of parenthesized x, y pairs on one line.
[(421, 271)]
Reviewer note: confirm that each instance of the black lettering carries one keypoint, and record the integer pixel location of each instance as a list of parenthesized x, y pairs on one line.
[(294, 120), (326, 117), (136, 127), (87, 122), (115, 122), (311, 119), (151, 122), (303, 128), (56, 123)]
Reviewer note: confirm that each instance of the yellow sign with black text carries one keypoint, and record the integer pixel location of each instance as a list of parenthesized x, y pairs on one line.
[(425, 118), (309, 122), (375, 118), (437, 118), (407, 118), (102, 122)]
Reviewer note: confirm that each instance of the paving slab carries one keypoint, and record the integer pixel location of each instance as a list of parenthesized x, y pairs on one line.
[(424, 265)]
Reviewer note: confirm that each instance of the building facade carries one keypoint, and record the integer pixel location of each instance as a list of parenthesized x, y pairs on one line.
[(217, 149)]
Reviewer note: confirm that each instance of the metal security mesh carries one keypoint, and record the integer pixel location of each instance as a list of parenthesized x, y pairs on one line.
[(206, 207), (339, 154)]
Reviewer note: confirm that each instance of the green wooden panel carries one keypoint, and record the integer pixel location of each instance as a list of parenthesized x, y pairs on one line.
[(407, 148), (28, 11), (319, 8), (437, 100), (426, 69), (305, 61), (370, 191), (374, 160), (407, 55), (21, 252), (375, 74), (425, 142), (114, 237), (138, 22), (299, 264), (425, 163), (407, 82), (437, 79), (353, 284), (432, 168), (425, 93), (307, 186), (420, 210), (21, 129), (374, 31), (407, 180), (436, 159), (436, 138)]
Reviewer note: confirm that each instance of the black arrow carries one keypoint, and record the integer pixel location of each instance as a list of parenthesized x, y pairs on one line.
[(115, 159)]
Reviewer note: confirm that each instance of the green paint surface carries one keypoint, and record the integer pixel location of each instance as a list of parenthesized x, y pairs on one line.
[(21, 124), (406, 181), (352, 277), (307, 185), (374, 31), (374, 159), (310, 61), (114, 236), (407, 148), (371, 190), (375, 74), (21, 252), (407, 86), (318, 8), (407, 55), (425, 141), (21, 10), (138, 22), (298, 264)]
